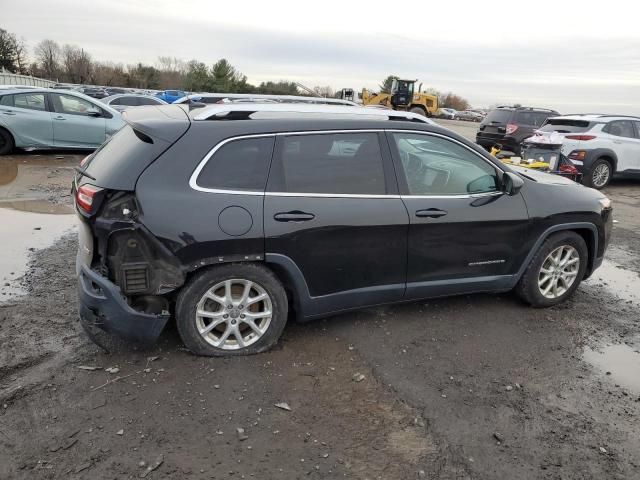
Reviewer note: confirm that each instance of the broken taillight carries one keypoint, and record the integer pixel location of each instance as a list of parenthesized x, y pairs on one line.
[(85, 196)]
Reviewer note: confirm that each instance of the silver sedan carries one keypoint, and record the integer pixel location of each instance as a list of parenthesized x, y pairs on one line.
[(124, 101), (45, 118)]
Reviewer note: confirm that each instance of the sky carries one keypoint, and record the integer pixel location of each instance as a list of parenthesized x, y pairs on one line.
[(569, 55)]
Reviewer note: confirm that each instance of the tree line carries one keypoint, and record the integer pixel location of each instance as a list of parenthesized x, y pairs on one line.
[(73, 64)]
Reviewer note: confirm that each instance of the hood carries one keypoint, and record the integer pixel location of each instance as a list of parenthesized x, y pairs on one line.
[(543, 177)]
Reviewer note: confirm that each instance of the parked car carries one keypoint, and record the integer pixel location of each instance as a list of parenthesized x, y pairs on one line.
[(449, 113), (468, 115), (171, 96), (599, 145), (509, 126), (128, 100), (94, 92), (229, 223), (110, 91), (46, 118)]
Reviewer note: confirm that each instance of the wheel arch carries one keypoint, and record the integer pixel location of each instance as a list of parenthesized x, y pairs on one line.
[(13, 137), (588, 231), (604, 154)]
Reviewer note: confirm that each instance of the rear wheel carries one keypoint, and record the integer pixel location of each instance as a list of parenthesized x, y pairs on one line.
[(235, 309), (6, 142), (600, 174), (419, 111), (555, 271)]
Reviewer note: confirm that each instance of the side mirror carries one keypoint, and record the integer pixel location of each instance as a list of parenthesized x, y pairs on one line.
[(511, 183)]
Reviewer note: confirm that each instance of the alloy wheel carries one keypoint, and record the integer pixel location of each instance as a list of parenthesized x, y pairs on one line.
[(600, 175), (234, 314), (559, 271)]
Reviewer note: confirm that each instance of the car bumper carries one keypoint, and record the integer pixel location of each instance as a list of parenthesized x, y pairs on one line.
[(101, 305), (508, 143)]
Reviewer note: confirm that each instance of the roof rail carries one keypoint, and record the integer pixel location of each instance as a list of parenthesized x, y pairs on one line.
[(243, 111), (528, 108), (278, 98)]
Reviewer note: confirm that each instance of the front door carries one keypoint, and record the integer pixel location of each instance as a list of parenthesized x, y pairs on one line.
[(332, 214), (463, 231), (77, 122)]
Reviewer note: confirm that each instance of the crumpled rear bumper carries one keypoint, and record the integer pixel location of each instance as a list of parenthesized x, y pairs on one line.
[(101, 305)]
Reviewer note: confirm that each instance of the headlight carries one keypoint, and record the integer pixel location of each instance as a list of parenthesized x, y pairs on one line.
[(605, 203)]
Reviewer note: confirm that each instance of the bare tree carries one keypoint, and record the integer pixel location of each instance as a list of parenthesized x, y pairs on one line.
[(326, 91), (47, 54), (77, 64)]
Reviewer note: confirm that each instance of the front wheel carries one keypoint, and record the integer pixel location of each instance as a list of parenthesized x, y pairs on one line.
[(235, 309), (555, 271), (419, 111)]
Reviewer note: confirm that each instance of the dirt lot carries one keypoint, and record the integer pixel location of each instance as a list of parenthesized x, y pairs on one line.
[(474, 387)]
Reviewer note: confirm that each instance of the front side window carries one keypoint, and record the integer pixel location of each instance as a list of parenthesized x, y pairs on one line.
[(31, 101), (241, 164), (74, 105), (437, 166), (620, 128), (340, 163)]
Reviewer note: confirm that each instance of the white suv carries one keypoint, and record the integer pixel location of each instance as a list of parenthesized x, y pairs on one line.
[(599, 145)]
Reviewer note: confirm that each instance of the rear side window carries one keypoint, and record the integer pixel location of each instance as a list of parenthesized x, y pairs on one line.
[(30, 101), (562, 125), (239, 165), (498, 116), (620, 128), (129, 101), (534, 119), (6, 101), (343, 163), (148, 101)]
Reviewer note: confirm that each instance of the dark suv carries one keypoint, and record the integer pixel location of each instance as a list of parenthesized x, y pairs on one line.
[(509, 126), (230, 217)]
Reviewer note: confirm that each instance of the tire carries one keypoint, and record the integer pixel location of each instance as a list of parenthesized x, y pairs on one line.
[(531, 285), (599, 174), (419, 111), (6, 142), (231, 322)]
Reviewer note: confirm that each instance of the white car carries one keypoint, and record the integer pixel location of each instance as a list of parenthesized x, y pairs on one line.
[(598, 145), (449, 113)]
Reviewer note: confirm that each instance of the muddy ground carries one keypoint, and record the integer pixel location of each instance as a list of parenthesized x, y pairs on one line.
[(474, 387)]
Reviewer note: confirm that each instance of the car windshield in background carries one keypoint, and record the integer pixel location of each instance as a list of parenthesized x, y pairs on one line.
[(535, 119), (565, 126), (498, 116)]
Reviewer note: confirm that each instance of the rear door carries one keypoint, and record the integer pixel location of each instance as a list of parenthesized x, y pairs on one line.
[(332, 212), (27, 117), (625, 144), (463, 230), (76, 122)]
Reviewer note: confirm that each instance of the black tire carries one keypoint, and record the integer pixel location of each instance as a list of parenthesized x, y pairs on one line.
[(593, 177), (419, 111), (195, 289), (528, 289), (6, 142)]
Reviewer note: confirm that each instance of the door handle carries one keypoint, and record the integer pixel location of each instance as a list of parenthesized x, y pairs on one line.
[(430, 213), (9, 112), (294, 216), (59, 118)]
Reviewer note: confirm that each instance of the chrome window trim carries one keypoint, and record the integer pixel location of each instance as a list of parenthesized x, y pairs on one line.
[(194, 176)]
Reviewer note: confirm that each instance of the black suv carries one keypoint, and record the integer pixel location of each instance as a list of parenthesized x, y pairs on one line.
[(509, 126), (230, 217)]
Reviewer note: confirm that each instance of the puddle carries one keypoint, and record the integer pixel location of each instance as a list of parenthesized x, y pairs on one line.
[(21, 231), (622, 361), (618, 281)]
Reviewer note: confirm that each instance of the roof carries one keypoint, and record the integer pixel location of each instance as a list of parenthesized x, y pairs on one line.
[(228, 111), (141, 95), (595, 117)]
